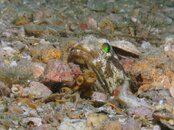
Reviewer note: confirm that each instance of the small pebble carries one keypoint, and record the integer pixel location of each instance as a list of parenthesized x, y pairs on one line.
[(146, 45)]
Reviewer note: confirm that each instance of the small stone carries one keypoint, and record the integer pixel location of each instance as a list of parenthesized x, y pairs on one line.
[(98, 5), (8, 51), (99, 97), (2, 108), (5, 91), (38, 90), (15, 109), (95, 120), (18, 45), (13, 63), (40, 110), (101, 5), (26, 92), (169, 44), (73, 124), (92, 23), (141, 111), (171, 90), (156, 127), (114, 125), (146, 45), (2, 127), (44, 127), (131, 124), (35, 30)]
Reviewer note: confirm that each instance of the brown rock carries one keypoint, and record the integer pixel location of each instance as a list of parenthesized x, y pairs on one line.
[(141, 112)]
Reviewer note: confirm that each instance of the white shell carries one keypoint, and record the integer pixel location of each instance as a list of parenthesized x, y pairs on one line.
[(126, 46)]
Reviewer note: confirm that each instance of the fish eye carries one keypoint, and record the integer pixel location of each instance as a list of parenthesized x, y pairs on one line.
[(106, 47)]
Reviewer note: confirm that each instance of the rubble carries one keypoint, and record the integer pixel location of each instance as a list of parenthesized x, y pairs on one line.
[(86, 64)]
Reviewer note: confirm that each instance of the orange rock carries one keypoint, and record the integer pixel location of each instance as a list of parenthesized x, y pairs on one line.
[(127, 64), (117, 91), (51, 53), (138, 67), (23, 20), (169, 100), (143, 88), (45, 53), (155, 70), (83, 26), (30, 104)]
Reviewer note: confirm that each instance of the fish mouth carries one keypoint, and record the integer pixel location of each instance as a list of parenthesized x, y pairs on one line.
[(79, 57), (90, 60)]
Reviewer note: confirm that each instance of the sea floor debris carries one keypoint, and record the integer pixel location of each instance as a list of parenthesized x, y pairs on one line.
[(86, 65)]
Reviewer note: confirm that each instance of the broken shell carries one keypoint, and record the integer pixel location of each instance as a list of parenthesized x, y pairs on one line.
[(79, 80), (36, 121), (163, 115), (125, 47), (17, 89), (90, 77), (75, 115), (66, 90)]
